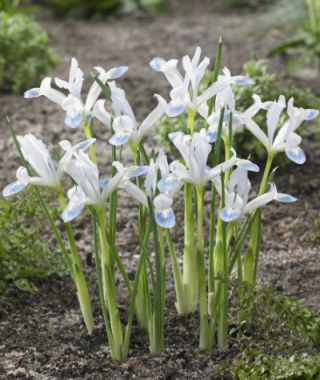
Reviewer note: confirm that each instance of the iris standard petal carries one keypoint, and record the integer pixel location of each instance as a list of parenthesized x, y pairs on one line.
[(296, 155)]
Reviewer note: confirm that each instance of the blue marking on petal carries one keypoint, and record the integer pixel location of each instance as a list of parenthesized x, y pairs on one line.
[(229, 214), (168, 184), (33, 93), (211, 136), (73, 120), (85, 144), (88, 118), (165, 218), (296, 155), (312, 114), (119, 139), (242, 80), (285, 198), (117, 72), (157, 63), (14, 188), (250, 166), (71, 212), (173, 111), (138, 171), (103, 182)]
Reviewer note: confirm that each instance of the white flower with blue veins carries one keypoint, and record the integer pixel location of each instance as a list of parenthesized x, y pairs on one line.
[(285, 139), (40, 160), (91, 191), (195, 151), (124, 125), (237, 201), (185, 90), (76, 110)]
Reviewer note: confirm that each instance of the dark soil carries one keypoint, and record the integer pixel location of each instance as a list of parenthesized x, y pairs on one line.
[(42, 336)]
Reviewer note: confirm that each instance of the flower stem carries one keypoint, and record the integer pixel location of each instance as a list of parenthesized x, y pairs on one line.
[(79, 279), (89, 135)]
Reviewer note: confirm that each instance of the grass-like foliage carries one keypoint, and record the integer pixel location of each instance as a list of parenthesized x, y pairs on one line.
[(24, 255), (267, 86), (25, 53), (84, 8)]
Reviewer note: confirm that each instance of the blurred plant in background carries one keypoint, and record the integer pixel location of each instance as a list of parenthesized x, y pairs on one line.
[(267, 86), (25, 53), (23, 255), (304, 47), (84, 8), (248, 3)]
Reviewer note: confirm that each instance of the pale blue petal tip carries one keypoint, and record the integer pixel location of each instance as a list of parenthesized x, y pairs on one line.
[(14, 188), (85, 144), (211, 137), (71, 212), (118, 72), (165, 218), (118, 140), (33, 93), (168, 184), (286, 198), (138, 171), (103, 182), (73, 121), (297, 156), (228, 215), (250, 166), (173, 111), (157, 63), (312, 114)]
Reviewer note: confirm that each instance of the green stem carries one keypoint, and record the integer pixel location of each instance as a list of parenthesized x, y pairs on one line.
[(109, 289), (79, 279), (203, 305), (89, 135)]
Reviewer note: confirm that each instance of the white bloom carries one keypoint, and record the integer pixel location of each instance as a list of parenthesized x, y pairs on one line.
[(237, 196), (76, 110), (125, 125), (39, 158), (185, 90), (286, 139), (195, 151), (92, 191)]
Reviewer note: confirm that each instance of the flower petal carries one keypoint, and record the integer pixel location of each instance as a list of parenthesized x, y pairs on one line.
[(173, 110), (285, 198), (14, 188), (165, 218), (296, 155), (229, 214), (72, 211), (32, 93), (157, 63)]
